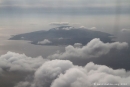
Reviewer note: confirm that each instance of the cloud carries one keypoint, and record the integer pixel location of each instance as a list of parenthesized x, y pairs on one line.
[(93, 28), (71, 7), (48, 72), (1, 70), (19, 62), (61, 38), (65, 3), (90, 74), (68, 28), (125, 30), (45, 41), (77, 44), (124, 35), (64, 28), (82, 27), (62, 73), (23, 84), (93, 49), (59, 23)]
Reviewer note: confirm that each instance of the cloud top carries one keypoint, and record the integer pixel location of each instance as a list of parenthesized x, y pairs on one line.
[(125, 30), (45, 41), (90, 74), (19, 62), (94, 48), (62, 73)]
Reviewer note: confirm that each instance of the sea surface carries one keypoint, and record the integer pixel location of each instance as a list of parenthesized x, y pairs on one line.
[(25, 47)]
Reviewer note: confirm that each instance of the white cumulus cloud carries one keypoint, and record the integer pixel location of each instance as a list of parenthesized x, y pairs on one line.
[(125, 30), (93, 28), (82, 27), (19, 62), (47, 73), (94, 48), (62, 73), (45, 41), (77, 44), (90, 74)]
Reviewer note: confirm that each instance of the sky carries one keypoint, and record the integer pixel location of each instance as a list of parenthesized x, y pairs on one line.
[(31, 15)]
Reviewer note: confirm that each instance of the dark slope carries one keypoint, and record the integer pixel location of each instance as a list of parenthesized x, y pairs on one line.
[(64, 35)]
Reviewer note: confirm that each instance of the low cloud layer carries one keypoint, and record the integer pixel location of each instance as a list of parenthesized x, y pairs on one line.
[(19, 62), (62, 73), (90, 74), (50, 71), (93, 49), (47, 73)]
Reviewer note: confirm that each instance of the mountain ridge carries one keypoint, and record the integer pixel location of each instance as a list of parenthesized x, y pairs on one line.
[(63, 35)]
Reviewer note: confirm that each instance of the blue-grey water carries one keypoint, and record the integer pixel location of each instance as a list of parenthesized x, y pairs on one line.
[(24, 47)]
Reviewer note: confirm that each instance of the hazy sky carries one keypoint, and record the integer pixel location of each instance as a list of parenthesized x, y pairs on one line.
[(18, 16)]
